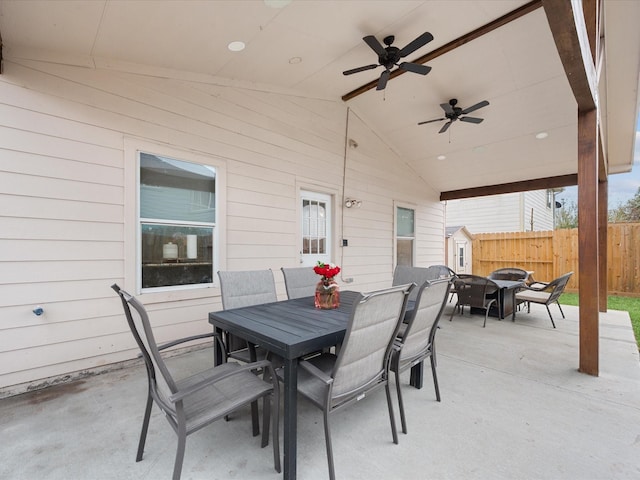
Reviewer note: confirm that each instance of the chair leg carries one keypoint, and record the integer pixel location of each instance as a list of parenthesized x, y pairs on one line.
[(454, 310), (182, 441), (560, 308), (549, 312), (145, 427), (403, 420), (392, 417), (276, 427), (435, 375), (266, 414), (327, 438)]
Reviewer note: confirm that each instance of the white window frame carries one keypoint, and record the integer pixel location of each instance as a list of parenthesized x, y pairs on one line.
[(132, 245), (407, 206)]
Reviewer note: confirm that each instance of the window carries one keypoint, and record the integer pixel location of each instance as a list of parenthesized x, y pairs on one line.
[(177, 219), (405, 236)]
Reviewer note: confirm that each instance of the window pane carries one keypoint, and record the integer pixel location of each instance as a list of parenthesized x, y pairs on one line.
[(176, 190), (314, 227), (176, 255), (405, 222), (405, 252)]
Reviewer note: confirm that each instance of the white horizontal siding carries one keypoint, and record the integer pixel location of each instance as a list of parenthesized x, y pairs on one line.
[(63, 236)]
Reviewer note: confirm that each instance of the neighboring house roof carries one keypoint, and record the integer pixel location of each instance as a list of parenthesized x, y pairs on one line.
[(450, 231)]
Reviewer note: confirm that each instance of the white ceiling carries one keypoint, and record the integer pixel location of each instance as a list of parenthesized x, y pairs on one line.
[(516, 68)]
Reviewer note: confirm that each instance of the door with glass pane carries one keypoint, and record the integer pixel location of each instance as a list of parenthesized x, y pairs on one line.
[(315, 244), (461, 257)]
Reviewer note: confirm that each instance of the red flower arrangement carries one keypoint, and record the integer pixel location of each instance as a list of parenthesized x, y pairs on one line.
[(327, 270)]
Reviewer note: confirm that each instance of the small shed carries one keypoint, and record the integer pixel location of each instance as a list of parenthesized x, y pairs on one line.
[(459, 249)]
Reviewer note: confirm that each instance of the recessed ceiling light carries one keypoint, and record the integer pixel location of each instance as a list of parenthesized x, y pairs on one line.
[(236, 46), (294, 60), (442, 157), (541, 135)]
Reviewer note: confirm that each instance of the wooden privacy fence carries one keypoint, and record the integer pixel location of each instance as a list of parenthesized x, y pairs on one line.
[(550, 254)]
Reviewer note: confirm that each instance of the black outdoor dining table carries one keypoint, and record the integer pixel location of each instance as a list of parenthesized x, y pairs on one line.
[(291, 329), (506, 296)]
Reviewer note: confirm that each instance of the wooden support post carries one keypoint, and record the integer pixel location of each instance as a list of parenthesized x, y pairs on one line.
[(588, 240), (603, 224)]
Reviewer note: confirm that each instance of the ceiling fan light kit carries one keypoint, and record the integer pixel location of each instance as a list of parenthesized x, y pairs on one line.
[(390, 56)]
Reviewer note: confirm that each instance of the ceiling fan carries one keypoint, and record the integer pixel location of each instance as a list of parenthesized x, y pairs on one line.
[(453, 113), (389, 57)]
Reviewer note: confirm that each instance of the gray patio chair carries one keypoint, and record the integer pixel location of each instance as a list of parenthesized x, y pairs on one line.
[(476, 292), (300, 281), (242, 289), (544, 294), (333, 382), (443, 271), (416, 338), (403, 275), (513, 274), (194, 402)]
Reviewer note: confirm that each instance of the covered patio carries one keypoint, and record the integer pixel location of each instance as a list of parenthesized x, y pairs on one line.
[(513, 406)]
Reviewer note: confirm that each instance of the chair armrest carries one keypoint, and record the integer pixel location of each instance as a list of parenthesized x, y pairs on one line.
[(216, 377), (315, 371), (173, 343)]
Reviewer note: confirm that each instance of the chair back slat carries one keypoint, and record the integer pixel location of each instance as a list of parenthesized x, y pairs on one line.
[(421, 325), (374, 323), (558, 286), (161, 382), (403, 275), (512, 274), (300, 281), (246, 288)]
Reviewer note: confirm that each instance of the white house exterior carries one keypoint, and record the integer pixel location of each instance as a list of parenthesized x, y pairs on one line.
[(511, 212), (68, 215)]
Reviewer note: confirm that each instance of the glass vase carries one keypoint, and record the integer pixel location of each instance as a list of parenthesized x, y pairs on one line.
[(327, 294)]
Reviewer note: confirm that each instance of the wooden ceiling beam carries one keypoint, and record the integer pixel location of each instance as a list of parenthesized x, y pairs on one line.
[(568, 27), (458, 42), (513, 187)]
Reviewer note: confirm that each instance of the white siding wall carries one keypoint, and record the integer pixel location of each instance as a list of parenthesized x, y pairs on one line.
[(66, 209), (501, 213)]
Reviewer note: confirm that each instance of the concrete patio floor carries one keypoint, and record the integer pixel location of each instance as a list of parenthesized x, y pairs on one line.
[(513, 406)]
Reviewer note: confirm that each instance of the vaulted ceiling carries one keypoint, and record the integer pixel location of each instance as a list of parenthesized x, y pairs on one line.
[(302, 47)]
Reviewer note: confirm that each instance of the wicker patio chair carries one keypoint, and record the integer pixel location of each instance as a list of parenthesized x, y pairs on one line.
[(194, 402), (416, 338), (332, 382), (513, 274), (476, 292), (544, 294)]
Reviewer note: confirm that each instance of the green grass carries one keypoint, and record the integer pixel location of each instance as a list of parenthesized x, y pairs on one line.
[(628, 304)]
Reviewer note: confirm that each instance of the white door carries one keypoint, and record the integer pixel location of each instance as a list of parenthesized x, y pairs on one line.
[(461, 257), (315, 241)]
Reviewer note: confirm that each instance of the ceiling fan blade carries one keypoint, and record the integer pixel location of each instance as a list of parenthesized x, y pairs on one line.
[(411, 47), (431, 121), (415, 68), (375, 45), (446, 126), (475, 107), (471, 119), (448, 109), (360, 69), (384, 78)]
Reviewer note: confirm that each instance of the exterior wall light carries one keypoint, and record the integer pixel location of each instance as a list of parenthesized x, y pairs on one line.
[(352, 202)]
